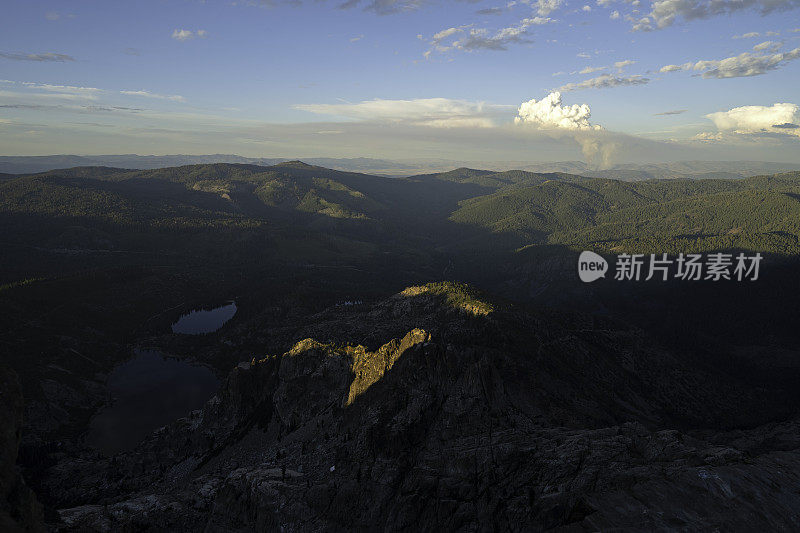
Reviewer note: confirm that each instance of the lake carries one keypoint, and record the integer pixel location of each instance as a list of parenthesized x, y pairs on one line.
[(148, 391), (202, 321)]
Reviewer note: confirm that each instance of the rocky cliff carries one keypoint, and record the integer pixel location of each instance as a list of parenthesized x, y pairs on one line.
[(437, 409)]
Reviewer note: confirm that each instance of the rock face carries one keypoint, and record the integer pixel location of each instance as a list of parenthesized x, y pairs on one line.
[(436, 410), (19, 510)]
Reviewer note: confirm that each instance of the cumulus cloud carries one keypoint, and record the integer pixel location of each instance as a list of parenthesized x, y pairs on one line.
[(21, 56), (664, 13), (605, 81), (186, 35), (749, 35), (743, 65), (549, 113), (550, 116), (781, 118), (614, 15), (431, 112), (148, 94)]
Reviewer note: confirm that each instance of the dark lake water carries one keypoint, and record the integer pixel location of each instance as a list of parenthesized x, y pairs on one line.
[(201, 321), (148, 392)]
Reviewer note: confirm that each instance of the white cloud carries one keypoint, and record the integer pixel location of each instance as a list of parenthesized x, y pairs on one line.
[(743, 65), (68, 88), (586, 8), (545, 7), (766, 45), (589, 70), (750, 35), (605, 81), (664, 13), (549, 113), (622, 64), (444, 34), (182, 35), (186, 35), (614, 15), (640, 24), (469, 38), (709, 137), (550, 117), (67, 92), (148, 94), (431, 112), (780, 118), (604, 3)]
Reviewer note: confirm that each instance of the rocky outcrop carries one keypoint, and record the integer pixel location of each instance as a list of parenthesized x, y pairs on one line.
[(466, 415), (19, 510)]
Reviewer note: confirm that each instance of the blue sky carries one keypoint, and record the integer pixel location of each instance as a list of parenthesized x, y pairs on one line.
[(404, 79)]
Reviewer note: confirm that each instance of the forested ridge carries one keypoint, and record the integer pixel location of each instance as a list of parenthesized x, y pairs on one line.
[(518, 207)]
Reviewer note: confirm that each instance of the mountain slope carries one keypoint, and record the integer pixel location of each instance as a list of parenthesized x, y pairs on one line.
[(448, 410), (760, 213)]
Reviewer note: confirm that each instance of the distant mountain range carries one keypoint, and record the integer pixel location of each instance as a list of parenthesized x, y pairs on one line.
[(35, 164), (626, 172)]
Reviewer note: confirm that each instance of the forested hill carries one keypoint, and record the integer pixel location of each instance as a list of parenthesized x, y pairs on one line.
[(463, 209), (759, 213)]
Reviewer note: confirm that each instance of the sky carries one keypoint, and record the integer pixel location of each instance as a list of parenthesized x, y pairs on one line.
[(605, 81)]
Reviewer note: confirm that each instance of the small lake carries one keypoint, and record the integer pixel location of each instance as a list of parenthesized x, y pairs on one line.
[(202, 321), (147, 392)]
